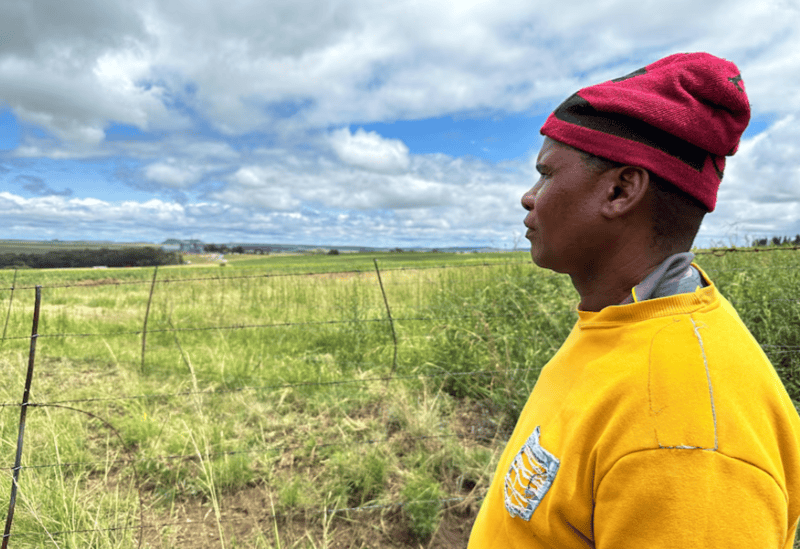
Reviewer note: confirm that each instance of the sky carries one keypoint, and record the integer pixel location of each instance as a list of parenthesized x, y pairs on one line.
[(350, 122)]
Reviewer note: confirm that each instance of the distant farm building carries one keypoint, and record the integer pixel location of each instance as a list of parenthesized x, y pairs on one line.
[(255, 248), (183, 246)]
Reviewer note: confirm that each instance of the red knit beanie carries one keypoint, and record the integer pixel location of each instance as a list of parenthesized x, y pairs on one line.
[(678, 117)]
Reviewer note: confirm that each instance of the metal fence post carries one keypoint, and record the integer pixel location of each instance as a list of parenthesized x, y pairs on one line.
[(147, 315), (10, 301), (22, 414), (389, 314)]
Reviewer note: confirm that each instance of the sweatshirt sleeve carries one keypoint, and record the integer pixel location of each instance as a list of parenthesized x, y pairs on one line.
[(693, 498)]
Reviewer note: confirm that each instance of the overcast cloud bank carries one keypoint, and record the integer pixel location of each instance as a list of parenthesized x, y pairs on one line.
[(250, 121)]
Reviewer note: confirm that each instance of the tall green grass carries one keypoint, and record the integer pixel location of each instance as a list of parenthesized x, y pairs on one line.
[(269, 410)]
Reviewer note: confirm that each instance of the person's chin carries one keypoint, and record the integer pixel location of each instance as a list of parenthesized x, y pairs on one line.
[(536, 255), (541, 259)]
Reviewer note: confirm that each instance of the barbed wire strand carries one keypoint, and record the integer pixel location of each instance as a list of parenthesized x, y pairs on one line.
[(284, 325), (143, 526), (784, 349), (390, 320), (716, 252), (105, 282), (722, 251), (266, 517), (195, 457), (283, 386)]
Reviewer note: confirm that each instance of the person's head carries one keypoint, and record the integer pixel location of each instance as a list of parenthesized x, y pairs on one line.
[(649, 150), (675, 216)]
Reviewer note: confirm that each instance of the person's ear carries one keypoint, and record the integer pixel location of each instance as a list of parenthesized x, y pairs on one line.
[(625, 188)]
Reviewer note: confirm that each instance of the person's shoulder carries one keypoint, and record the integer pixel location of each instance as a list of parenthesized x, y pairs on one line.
[(679, 395)]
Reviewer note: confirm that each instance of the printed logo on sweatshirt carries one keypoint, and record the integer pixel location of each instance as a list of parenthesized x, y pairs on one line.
[(529, 478)]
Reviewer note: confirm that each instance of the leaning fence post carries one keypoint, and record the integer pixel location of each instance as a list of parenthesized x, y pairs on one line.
[(22, 413), (147, 314), (389, 314), (10, 300)]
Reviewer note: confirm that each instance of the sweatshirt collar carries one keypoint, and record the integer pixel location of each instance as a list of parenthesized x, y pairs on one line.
[(681, 303), (669, 278)]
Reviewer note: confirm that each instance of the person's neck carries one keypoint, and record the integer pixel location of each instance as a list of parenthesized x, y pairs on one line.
[(610, 282)]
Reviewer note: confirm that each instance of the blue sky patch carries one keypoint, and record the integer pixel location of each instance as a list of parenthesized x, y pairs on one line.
[(9, 131), (495, 138)]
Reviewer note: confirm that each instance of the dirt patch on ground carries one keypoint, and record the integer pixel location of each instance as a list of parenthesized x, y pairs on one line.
[(246, 520)]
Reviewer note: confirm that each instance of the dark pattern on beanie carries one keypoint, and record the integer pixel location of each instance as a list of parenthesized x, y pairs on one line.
[(678, 117)]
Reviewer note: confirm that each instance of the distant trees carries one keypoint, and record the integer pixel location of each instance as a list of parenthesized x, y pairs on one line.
[(215, 248), (222, 249), (123, 257), (776, 241)]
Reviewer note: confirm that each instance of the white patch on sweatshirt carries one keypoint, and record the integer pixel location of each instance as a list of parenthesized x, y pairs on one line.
[(529, 478)]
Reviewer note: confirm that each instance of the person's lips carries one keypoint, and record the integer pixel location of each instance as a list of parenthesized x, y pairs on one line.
[(529, 224)]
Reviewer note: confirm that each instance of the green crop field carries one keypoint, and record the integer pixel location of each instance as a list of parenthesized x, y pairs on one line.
[(271, 402)]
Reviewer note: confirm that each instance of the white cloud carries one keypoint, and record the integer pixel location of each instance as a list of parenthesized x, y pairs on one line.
[(267, 187), (286, 66), (243, 98), (172, 175), (299, 198), (760, 193), (765, 169), (369, 150)]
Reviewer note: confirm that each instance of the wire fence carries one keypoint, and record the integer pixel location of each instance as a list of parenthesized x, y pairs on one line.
[(131, 456)]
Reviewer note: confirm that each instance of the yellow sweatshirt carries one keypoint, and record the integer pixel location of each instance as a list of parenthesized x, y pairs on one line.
[(659, 424)]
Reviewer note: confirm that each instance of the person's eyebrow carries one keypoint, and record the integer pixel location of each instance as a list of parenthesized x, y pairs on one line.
[(541, 168)]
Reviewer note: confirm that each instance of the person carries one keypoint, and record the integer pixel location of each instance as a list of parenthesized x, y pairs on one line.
[(660, 422)]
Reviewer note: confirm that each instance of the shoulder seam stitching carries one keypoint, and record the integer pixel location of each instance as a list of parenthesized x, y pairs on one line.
[(708, 377)]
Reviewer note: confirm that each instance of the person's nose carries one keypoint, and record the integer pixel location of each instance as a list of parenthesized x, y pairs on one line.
[(529, 199)]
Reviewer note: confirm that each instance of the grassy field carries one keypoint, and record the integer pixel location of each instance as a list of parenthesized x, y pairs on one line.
[(271, 406)]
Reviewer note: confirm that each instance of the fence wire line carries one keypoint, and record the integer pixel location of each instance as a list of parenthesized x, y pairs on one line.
[(265, 517), (772, 349), (284, 325), (333, 322), (719, 252), (101, 282), (196, 457), (89, 283), (290, 448), (155, 396)]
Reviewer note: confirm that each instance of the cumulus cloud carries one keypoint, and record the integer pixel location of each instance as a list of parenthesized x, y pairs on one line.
[(271, 187), (171, 174), (248, 106), (284, 66), (60, 216), (284, 181), (760, 193), (765, 170), (369, 150)]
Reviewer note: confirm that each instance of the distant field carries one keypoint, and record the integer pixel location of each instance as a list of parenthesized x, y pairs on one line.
[(290, 263), (43, 246), (270, 409), (282, 262)]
